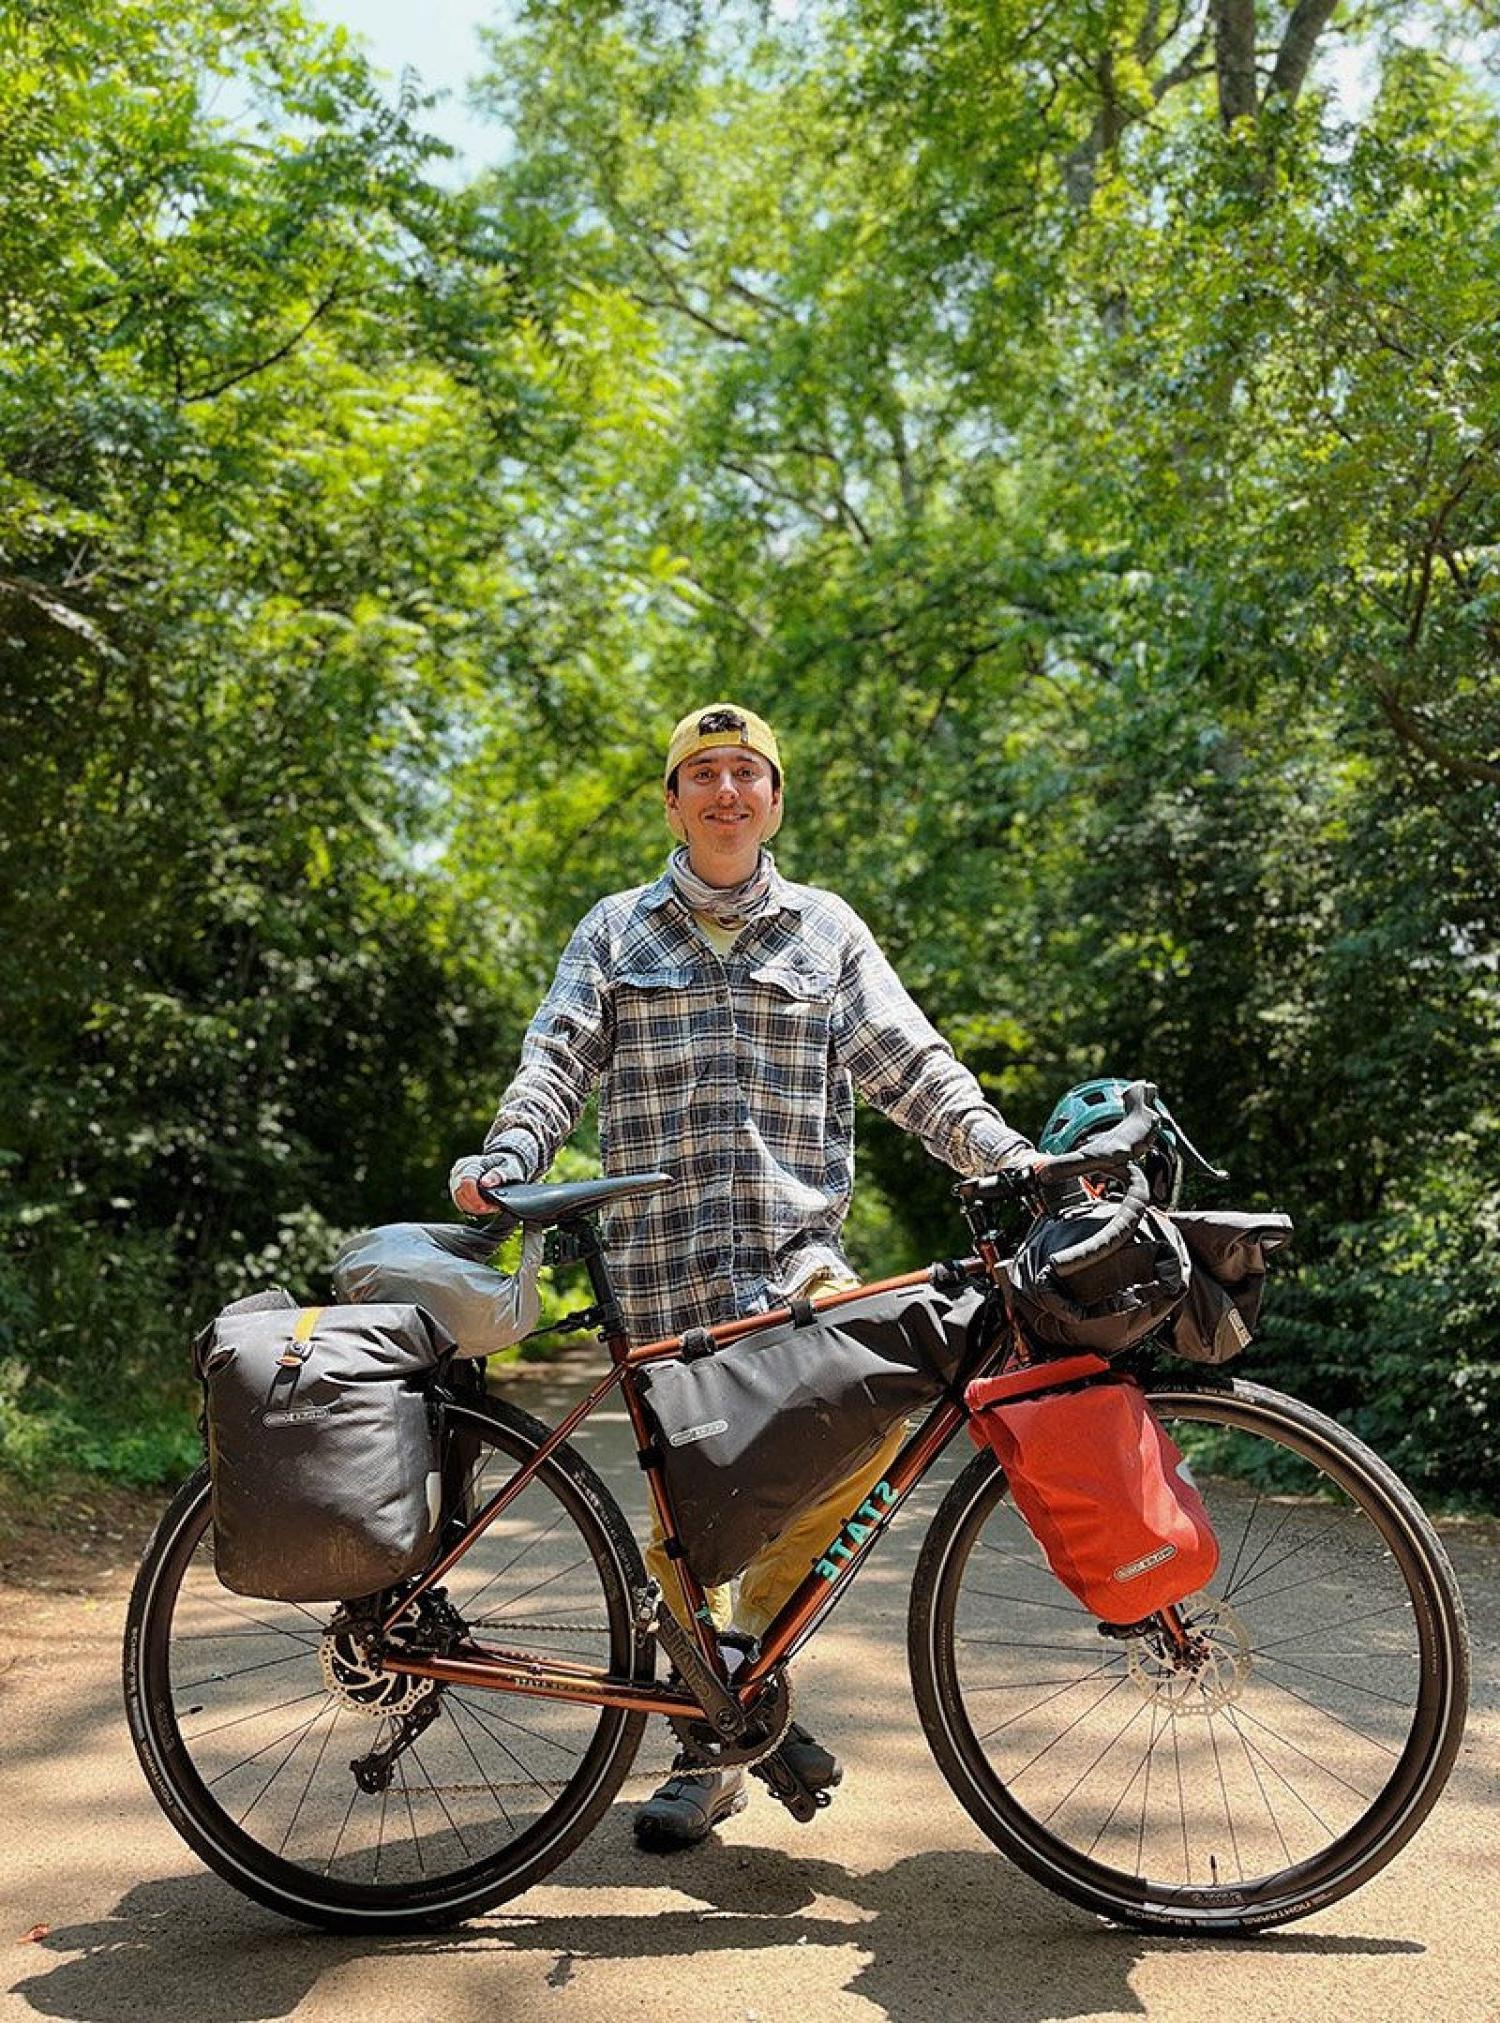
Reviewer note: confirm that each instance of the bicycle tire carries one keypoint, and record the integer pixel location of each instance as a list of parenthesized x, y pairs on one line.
[(209, 1674), (1365, 1732)]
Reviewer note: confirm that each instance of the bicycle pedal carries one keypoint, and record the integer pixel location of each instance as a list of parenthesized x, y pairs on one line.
[(789, 1790)]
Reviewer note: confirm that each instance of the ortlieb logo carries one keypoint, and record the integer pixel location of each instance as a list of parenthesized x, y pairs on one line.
[(1138, 1566), (704, 1432), (297, 1415)]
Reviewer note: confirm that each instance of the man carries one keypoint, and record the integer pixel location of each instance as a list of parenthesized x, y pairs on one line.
[(729, 1017)]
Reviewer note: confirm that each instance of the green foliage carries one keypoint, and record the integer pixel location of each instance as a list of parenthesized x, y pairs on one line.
[(1091, 471)]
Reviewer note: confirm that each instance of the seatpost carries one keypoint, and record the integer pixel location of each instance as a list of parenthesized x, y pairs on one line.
[(588, 1246)]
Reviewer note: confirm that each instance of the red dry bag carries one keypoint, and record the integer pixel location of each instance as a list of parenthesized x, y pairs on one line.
[(1103, 1488)]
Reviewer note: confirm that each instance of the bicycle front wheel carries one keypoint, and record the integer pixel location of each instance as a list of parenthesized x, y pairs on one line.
[(1280, 1775), (262, 1730)]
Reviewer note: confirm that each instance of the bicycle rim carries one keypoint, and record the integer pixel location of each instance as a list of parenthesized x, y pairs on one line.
[(250, 1750), (1282, 1777)]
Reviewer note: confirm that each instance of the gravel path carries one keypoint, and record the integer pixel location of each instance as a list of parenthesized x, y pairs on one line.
[(889, 1906)]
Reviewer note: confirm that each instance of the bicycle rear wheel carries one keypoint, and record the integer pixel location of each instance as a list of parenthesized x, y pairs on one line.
[(1290, 1769), (249, 1716)]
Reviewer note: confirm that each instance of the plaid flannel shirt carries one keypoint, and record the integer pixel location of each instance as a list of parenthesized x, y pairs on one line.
[(737, 1075)]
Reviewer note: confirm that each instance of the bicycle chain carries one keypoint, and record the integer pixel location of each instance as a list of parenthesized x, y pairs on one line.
[(509, 1623)]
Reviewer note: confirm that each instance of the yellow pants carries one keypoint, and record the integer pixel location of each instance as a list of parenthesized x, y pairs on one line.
[(782, 1565)]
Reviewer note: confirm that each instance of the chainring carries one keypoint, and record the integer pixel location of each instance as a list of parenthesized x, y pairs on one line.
[(771, 1720)]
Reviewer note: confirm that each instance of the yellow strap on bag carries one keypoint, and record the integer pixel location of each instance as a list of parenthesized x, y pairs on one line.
[(302, 1334)]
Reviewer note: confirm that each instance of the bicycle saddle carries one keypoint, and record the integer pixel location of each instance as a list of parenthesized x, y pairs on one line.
[(545, 1207)]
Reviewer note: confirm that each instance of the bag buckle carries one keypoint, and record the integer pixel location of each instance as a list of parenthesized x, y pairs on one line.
[(300, 1347)]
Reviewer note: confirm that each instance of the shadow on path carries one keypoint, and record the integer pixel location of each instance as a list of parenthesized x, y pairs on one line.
[(930, 1930)]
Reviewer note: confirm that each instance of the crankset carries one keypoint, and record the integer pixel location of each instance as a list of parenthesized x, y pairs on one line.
[(765, 1730)]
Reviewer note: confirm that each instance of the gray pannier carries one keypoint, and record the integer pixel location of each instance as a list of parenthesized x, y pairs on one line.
[(322, 1445), (444, 1267), (755, 1432), (1228, 1249)]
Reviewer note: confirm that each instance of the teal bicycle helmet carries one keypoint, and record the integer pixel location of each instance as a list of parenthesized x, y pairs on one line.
[(1097, 1106)]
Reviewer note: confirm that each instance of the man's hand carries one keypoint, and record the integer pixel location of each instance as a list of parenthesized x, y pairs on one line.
[(496, 1169)]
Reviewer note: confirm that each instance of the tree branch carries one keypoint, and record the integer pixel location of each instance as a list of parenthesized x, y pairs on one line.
[(1412, 731), (1298, 46), (258, 365)]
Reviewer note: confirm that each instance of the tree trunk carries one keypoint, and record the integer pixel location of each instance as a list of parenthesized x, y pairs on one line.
[(1234, 59)]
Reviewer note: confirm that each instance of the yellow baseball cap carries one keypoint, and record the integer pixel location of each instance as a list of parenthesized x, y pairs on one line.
[(711, 728)]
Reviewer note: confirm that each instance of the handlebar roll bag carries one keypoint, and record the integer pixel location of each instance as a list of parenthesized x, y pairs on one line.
[(1228, 1251), (323, 1446), (1110, 1305), (756, 1432), (1102, 1487)]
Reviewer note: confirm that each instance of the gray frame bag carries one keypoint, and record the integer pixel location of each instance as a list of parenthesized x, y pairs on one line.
[(752, 1434), (323, 1445)]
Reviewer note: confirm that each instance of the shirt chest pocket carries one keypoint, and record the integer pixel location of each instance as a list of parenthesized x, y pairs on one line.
[(664, 1019), (785, 1018)]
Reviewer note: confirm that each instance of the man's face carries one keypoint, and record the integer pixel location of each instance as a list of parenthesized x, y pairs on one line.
[(725, 800)]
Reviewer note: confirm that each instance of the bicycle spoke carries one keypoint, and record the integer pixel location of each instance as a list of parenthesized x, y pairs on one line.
[(305, 1730), (1048, 1747), (338, 1839), (318, 1692), (1275, 1770), (416, 1838), (1011, 1719), (535, 1588), (1224, 1795), (1028, 1560), (530, 1546), (501, 1743), (1149, 1762), (1248, 1586), (1090, 1768), (1287, 1743), (1025, 1601), (310, 1638), (307, 1787), (1026, 1685), (416, 1758), (1326, 1629), (254, 1754), (241, 1672), (1143, 1766), (1349, 1685), (1276, 1530), (483, 1778), (509, 1721), (1239, 1550), (1254, 1770), (1328, 1714)]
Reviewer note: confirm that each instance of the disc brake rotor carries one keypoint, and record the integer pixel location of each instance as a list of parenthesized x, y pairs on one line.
[(1215, 1675), (357, 1678)]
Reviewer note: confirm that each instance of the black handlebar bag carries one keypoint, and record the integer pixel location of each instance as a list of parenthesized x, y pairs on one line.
[(753, 1433), (322, 1445), (1228, 1249), (1110, 1304)]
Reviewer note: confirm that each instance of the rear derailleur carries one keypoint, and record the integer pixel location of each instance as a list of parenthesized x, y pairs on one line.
[(353, 1662)]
